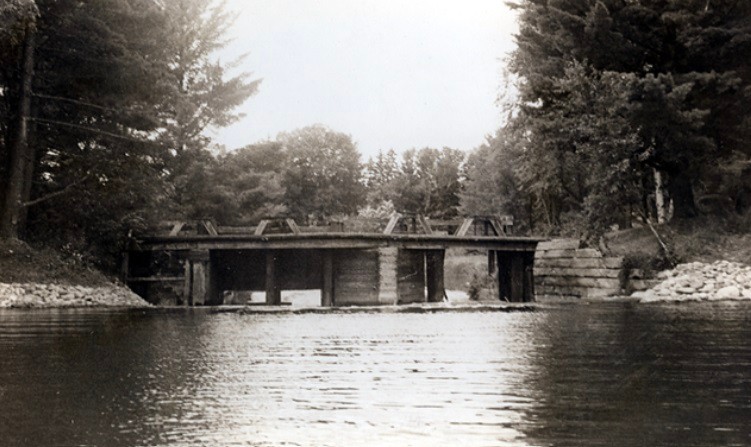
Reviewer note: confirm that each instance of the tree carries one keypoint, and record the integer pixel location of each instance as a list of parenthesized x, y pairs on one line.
[(670, 78), (429, 182), (379, 177), (16, 36), (493, 185), (323, 175), (253, 177), (201, 93)]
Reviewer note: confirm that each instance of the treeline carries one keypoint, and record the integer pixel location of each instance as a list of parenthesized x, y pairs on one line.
[(315, 175), (626, 110), (104, 108), (103, 111)]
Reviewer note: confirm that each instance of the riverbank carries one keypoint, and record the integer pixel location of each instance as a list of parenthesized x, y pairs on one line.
[(30, 295), (39, 278), (698, 281)]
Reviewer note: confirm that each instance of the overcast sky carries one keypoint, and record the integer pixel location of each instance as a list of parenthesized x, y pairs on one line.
[(390, 73)]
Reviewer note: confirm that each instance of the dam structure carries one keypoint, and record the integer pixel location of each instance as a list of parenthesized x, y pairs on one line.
[(199, 263)]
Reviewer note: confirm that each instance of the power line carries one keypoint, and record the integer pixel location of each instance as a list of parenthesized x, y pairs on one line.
[(90, 129), (74, 101)]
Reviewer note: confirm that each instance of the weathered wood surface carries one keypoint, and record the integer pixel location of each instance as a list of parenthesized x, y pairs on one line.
[(410, 271), (387, 276), (356, 278), (434, 265)]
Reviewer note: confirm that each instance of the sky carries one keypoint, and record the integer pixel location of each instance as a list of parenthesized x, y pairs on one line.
[(393, 74)]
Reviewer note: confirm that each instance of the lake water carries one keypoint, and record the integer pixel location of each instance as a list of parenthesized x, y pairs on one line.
[(579, 375)]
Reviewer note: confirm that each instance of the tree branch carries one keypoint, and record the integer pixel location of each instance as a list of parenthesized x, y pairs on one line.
[(56, 193)]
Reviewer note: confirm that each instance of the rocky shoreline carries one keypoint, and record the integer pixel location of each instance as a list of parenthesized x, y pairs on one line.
[(697, 281), (32, 295)]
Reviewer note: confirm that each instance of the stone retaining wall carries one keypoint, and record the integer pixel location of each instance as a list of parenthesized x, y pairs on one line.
[(28, 295), (564, 270)]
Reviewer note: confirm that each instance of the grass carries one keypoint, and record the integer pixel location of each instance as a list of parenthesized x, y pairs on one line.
[(21, 263)]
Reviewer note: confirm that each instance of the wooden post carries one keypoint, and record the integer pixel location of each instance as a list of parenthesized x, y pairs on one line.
[(504, 275), (517, 277), (327, 290), (188, 284), (529, 278), (410, 272), (273, 289), (387, 277), (434, 263), (200, 277), (125, 267), (491, 262)]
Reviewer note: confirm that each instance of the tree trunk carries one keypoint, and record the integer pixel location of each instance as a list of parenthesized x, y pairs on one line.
[(660, 205), (682, 195), (18, 153)]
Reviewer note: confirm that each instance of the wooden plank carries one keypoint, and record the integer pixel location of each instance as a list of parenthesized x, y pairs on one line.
[(517, 279), (176, 228), (462, 231), (327, 291), (496, 226), (425, 227), (188, 284), (272, 286), (434, 274), (529, 276), (293, 226), (261, 227), (209, 226), (504, 275), (199, 286), (359, 287), (392, 223)]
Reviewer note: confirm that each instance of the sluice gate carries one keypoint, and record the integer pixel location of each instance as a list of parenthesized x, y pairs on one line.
[(349, 269)]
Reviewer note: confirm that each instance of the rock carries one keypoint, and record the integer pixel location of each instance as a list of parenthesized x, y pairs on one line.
[(729, 292)]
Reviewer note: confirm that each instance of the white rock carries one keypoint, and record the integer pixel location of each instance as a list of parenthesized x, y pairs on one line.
[(729, 292)]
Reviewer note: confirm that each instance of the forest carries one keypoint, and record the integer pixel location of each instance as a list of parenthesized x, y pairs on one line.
[(621, 111)]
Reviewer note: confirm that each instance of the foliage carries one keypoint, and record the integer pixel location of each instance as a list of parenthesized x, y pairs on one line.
[(323, 176), (429, 182), (123, 92), (493, 185), (611, 90), (380, 174)]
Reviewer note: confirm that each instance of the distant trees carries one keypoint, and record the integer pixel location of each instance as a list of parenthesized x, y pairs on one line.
[(426, 181), (626, 107), (323, 174)]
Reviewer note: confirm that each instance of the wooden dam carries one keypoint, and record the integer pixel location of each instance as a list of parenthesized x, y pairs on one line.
[(199, 263)]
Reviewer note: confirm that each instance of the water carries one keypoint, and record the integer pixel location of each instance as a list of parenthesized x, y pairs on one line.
[(584, 375)]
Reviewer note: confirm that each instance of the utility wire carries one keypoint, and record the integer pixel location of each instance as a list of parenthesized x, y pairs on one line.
[(90, 129)]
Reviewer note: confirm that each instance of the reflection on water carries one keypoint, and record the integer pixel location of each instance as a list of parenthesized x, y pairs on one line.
[(573, 375)]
